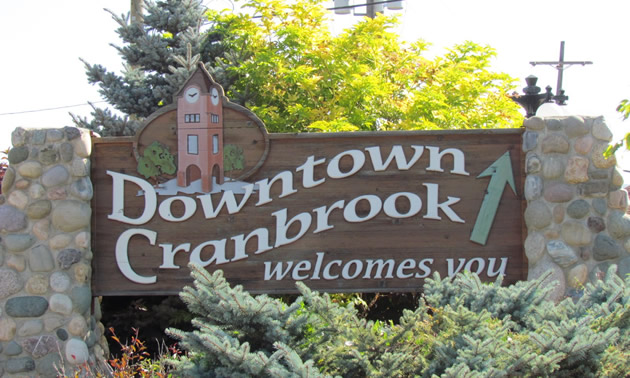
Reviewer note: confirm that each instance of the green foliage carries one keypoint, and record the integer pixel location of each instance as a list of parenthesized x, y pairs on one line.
[(624, 109), (156, 161), (462, 327), (233, 158), (288, 68), (159, 55)]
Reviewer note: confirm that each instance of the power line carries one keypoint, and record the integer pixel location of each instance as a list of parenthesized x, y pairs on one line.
[(48, 109)]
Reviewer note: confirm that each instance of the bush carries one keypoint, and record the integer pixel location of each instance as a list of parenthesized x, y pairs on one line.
[(461, 327)]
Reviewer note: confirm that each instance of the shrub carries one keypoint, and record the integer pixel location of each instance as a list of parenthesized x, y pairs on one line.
[(461, 327)]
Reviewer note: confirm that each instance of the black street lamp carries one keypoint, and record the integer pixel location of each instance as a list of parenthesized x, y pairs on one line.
[(533, 99)]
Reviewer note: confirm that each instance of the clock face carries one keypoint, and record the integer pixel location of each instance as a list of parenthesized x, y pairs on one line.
[(192, 94), (214, 96)]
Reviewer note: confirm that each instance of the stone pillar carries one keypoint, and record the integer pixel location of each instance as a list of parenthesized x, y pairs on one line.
[(47, 313), (576, 209)]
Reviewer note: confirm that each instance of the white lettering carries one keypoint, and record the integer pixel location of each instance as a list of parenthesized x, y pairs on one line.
[(264, 187), (118, 200), (218, 255), (350, 211), (322, 216), (405, 264), (415, 205), (435, 160), (480, 265), (168, 254), (277, 271), (240, 243), (282, 226), (396, 153), (494, 273), (358, 159), (308, 177), (425, 269), (345, 271), (122, 254), (433, 205), (190, 206), (303, 265), (327, 275), (227, 200)]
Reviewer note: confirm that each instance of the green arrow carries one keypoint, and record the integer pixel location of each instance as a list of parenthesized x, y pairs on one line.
[(501, 172)]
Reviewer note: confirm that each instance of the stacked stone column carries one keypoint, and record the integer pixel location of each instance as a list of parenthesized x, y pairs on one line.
[(48, 317), (576, 209)]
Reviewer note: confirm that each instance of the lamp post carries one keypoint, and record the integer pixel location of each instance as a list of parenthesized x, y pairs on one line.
[(533, 99)]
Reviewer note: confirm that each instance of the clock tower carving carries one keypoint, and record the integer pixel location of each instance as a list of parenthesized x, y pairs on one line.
[(200, 131)]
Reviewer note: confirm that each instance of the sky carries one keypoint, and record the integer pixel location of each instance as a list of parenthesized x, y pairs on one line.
[(43, 41)]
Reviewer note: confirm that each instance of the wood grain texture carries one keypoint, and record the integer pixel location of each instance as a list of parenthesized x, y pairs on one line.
[(353, 244)]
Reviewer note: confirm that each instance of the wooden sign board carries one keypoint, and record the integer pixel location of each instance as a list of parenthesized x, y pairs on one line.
[(355, 212), (203, 182)]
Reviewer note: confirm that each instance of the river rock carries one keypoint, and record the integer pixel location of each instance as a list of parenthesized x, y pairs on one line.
[(577, 170), (606, 248), (66, 152), (83, 145), (30, 169), (562, 254), (82, 240), (82, 273), (82, 299), (18, 198), (48, 155), (598, 159), (82, 189), (555, 143), (558, 213), (537, 215), (80, 167), (37, 285), (558, 193), (59, 241), (557, 275), (59, 282), (67, 257), (26, 307), (533, 187), (40, 346), (596, 224), (31, 327), (61, 304), (69, 216), (54, 135), (49, 362), (19, 137), (41, 228), (600, 206), (618, 200), (58, 193), (8, 179), (623, 267), (19, 365), (583, 145), (78, 326), (533, 164), (534, 123), (62, 334), (18, 242), (575, 233), (38, 137), (7, 329), (601, 131), (12, 219), (17, 155), (55, 176), (12, 349), (575, 127), (618, 225), (578, 209), (71, 132), (41, 260), (76, 352), (10, 282), (39, 209), (16, 262), (36, 191), (553, 166), (530, 140), (593, 188), (534, 247)]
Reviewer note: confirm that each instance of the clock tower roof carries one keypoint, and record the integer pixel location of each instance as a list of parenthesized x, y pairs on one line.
[(201, 78)]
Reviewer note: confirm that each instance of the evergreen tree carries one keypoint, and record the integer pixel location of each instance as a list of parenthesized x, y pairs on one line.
[(159, 54), (461, 327)]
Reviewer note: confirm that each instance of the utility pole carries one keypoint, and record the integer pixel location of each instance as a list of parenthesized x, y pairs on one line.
[(136, 11), (371, 10), (561, 65)]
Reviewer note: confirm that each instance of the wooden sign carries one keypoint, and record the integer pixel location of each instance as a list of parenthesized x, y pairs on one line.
[(204, 182)]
